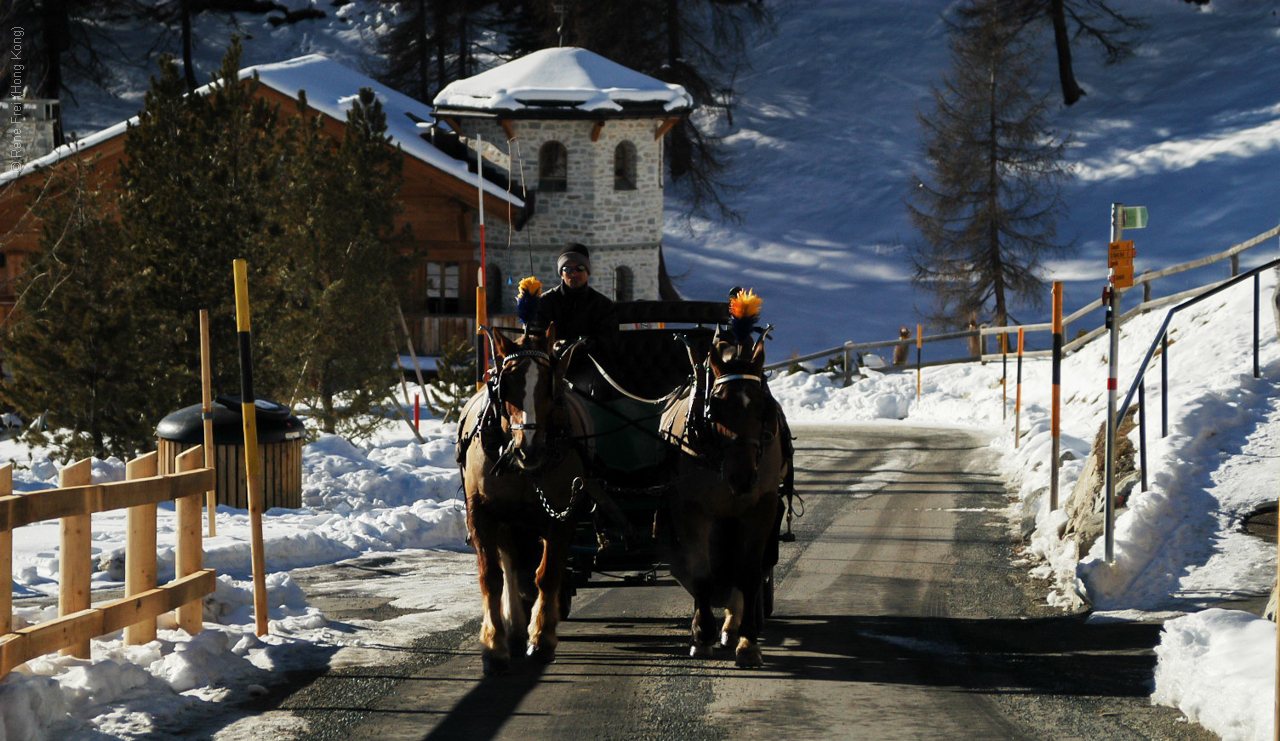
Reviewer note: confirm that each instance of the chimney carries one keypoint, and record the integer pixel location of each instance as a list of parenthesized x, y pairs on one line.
[(26, 130)]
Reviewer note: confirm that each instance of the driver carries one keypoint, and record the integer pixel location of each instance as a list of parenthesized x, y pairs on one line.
[(578, 310)]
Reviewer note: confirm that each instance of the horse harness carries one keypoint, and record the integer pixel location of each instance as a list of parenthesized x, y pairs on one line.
[(698, 422), (488, 429)]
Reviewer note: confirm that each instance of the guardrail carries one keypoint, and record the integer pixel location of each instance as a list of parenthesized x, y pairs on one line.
[(1161, 342), (849, 349), (73, 503)]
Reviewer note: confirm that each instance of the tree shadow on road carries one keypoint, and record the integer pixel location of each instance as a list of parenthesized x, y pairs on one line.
[(1058, 656)]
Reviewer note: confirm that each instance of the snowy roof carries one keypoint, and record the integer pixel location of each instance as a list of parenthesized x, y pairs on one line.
[(564, 80), (331, 89)]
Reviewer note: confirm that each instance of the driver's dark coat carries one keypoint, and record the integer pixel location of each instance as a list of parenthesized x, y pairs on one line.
[(584, 312)]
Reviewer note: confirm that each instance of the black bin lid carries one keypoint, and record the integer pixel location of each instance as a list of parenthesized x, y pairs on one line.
[(276, 423)]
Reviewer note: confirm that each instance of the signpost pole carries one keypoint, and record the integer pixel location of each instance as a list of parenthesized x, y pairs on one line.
[(1055, 424), (1111, 297)]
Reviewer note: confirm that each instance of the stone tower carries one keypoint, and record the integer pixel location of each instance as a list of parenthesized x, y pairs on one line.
[(584, 136)]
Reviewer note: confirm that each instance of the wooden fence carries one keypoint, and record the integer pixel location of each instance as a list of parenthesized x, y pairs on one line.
[(1232, 254), (73, 503)]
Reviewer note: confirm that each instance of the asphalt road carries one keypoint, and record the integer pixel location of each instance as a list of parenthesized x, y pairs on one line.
[(899, 615)]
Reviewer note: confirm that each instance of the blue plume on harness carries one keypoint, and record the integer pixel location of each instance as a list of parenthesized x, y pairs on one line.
[(741, 327), (527, 301), (527, 308)]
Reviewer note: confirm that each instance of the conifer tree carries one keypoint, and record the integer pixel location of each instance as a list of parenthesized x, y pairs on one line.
[(341, 253), (74, 348), (987, 210), (200, 183), (455, 380)]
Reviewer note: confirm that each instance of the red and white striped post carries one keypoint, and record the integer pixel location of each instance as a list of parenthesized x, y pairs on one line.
[(1111, 299), (1017, 407), (482, 299), (1055, 423)]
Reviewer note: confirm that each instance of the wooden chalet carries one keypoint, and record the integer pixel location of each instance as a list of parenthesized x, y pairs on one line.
[(440, 193)]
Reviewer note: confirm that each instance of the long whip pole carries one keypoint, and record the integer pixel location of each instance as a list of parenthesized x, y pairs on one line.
[(482, 300)]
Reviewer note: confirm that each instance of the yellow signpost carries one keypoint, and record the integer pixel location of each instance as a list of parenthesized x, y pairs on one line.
[(1120, 260)]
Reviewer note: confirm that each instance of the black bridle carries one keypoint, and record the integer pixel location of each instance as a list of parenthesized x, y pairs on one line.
[(495, 384), (730, 437)]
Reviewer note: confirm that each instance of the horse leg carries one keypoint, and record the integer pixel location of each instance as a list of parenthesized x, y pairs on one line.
[(704, 621), (513, 614), (691, 565), (751, 581), (494, 653), (546, 611), (732, 620)]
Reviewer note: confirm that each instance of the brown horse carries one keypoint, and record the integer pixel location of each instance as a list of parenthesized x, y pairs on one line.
[(523, 446), (724, 512)]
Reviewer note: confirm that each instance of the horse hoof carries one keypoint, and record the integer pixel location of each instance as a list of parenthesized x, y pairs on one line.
[(728, 639), (542, 654), (495, 667), (749, 658), (700, 651), (516, 646)]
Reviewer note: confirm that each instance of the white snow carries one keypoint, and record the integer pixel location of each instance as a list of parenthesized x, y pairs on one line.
[(331, 88), (825, 141), (561, 77)]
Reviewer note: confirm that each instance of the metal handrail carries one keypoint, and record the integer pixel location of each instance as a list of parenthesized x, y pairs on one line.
[(1164, 328)]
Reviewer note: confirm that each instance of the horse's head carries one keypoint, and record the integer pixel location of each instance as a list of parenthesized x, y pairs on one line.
[(737, 406), (527, 381)]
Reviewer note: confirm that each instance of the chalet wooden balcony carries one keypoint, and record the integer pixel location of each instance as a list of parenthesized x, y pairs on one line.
[(432, 332)]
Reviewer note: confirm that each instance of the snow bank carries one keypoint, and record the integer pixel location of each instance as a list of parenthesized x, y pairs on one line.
[(1216, 667)]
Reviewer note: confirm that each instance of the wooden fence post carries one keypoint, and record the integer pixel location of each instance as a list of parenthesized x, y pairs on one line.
[(140, 548), (74, 556), (206, 413), (190, 545), (6, 555)]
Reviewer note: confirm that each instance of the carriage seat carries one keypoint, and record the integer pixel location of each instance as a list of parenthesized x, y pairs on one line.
[(651, 362)]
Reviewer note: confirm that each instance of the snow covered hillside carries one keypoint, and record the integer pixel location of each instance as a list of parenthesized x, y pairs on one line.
[(825, 139)]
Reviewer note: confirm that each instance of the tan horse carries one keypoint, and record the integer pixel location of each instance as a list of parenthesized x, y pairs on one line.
[(523, 445), (724, 511)]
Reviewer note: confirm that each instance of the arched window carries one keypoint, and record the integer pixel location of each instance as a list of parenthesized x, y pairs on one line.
[(623, 284), (624, 167), (553, 168)]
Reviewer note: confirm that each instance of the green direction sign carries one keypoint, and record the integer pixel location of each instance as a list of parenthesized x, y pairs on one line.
[(1133, 217)]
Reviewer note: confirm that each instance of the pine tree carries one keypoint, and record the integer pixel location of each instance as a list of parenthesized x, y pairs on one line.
[(455, 380), (188, 216), (433, 42), (74, 348), (987, 212), (1095, 20), (341, 253)]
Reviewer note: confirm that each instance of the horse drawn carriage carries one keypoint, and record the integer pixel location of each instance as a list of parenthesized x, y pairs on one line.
[(669, 452)]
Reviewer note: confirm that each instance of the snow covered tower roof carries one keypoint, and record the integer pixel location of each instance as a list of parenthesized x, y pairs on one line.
[(563, 82)]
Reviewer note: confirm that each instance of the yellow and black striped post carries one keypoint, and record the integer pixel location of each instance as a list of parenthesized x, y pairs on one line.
[(919, 355), (252, 465)]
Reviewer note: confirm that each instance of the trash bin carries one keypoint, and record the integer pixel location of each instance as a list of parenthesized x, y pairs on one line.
[(280, 439)]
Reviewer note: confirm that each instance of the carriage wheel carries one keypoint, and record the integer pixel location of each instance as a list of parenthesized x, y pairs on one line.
[(767, 592)]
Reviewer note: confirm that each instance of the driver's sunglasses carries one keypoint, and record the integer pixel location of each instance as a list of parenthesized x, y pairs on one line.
[(567, 269)]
